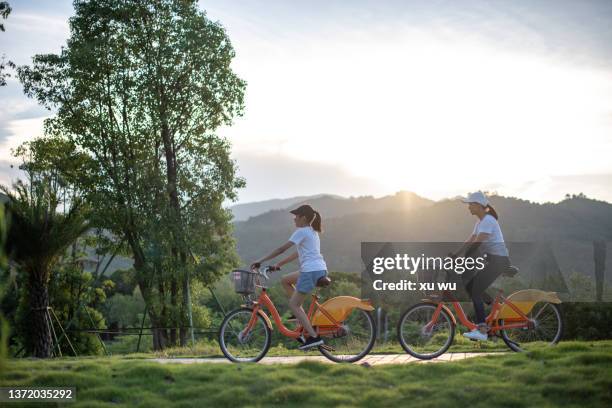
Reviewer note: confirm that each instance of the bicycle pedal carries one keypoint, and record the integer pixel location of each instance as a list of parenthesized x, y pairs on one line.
[(326, 347)]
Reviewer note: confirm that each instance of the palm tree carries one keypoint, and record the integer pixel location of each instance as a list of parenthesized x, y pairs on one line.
[(38, 236)]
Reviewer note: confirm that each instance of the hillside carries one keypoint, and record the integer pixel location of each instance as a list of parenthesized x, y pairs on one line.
[(332, 205), (277, 225), (243, 212), (578, 219)]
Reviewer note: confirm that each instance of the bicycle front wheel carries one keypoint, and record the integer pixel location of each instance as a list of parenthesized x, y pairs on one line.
[(353, 340), (240, 345), (420, 336), (545, 327)]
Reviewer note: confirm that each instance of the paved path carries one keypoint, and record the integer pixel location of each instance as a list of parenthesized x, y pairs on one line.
[(373, 359)]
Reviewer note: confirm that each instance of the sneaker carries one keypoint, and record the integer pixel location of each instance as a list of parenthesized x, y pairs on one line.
[(476, 335), (311, 342), (301, 339)]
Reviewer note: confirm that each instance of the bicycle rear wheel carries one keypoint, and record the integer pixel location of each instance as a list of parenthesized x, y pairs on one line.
[(354, 340), (419, 338), (241, 347), (546, 328)]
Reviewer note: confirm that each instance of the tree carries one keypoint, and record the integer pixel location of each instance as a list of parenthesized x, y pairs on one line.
[(4, 328), (75, 300), (5, 10), (37, 237), (141, 87)]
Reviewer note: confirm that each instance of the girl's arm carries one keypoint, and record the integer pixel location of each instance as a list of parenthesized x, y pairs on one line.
[(288, 259), (274, 253)]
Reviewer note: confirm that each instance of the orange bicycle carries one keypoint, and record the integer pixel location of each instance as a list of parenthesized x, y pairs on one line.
[(427, 329), (344, 322)]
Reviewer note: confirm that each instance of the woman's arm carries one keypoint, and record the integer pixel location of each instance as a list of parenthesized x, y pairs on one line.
[(274, 253), (288, 259), (465, 245), (482, 237), (473, 246)]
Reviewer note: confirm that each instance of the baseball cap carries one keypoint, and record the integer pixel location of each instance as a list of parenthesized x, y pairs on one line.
[(304, 210), (477, 197)]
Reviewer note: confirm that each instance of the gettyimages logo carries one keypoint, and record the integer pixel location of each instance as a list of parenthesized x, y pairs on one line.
[(405, 262), (410, 265), (406, 272)]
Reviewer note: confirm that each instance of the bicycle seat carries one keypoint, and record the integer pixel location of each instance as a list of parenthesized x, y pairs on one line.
[(323, 282)]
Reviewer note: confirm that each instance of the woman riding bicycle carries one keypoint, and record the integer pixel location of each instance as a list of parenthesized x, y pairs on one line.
[(312, 267), (487, 239)]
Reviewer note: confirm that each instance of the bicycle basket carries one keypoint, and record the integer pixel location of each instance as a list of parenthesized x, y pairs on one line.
[(244, 281)]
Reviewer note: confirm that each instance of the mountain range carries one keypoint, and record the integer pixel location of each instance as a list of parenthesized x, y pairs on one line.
[(573, 224)]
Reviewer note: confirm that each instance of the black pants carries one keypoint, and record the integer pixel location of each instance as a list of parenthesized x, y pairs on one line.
[(476, 283)]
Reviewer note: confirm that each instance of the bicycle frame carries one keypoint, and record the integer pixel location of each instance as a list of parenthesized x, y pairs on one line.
[(264, 301), (491, 319)]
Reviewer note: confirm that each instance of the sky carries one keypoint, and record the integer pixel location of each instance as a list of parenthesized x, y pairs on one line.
[(372, 97)]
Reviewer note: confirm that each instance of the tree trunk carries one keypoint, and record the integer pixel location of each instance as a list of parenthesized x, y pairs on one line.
[(185, 309), (160, 338), (183, 336), (154, 301), (40, 326), (173, 301), (178, 251), (599, 255)]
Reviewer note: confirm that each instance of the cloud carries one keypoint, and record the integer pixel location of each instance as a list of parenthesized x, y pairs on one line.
[(592, 185), (413, 83), (17, 132), (9, 172), (20, 118), (277, 176), (554, 188), (566, 29), (41, 23)]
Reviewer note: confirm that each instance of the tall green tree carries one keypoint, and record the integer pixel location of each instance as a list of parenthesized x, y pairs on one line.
[(141, 87)]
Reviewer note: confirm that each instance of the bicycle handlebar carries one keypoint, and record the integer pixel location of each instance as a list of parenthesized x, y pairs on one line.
[(264, 272)]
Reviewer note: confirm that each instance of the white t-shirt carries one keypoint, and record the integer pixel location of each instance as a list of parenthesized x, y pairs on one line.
[(494, 244), (309, 249)]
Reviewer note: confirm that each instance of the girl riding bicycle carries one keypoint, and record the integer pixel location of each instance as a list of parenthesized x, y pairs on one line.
[(312, 266), (488, 239)]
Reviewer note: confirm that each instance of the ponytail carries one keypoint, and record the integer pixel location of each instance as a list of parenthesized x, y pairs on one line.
[(315, 223), (489, 208)]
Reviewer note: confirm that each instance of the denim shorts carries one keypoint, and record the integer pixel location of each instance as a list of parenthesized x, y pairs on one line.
[(308, 280)]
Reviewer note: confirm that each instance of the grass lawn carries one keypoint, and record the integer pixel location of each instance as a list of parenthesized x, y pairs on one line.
[(572, 374)]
